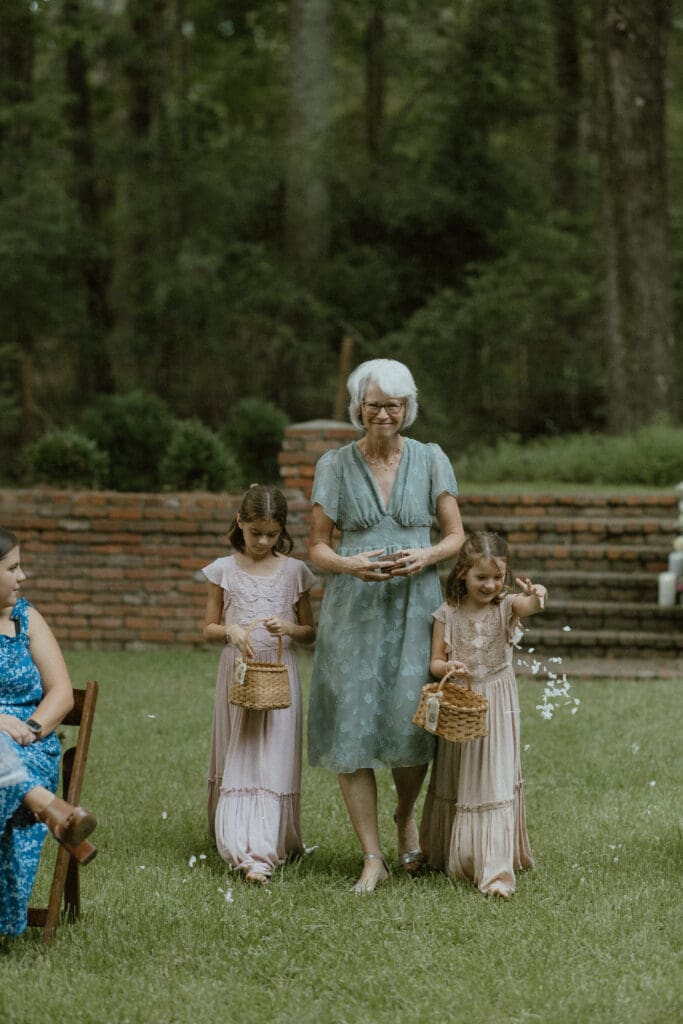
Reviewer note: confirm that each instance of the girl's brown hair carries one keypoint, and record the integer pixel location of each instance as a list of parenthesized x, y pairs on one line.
[(7, 541), (262, 502), (477, 545)]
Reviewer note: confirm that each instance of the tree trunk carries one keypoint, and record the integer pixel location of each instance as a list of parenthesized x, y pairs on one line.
[(307, 204), (93, 366), (631, 37), (138, 334), (568, 84), (375, 77)]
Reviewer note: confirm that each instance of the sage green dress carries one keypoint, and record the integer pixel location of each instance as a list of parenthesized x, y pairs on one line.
[(374, 639)]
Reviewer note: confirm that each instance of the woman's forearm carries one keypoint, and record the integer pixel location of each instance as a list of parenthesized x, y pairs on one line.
[(325, 557)]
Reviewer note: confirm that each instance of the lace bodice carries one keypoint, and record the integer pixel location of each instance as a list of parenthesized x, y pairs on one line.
[(483, 643), (247, 597)]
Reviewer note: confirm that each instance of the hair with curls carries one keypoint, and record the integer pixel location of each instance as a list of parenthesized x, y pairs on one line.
[(8, 540), (392, 377), (477, 545), (262, 502)]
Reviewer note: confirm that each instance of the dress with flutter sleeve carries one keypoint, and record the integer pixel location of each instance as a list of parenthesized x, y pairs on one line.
[(255, 760)]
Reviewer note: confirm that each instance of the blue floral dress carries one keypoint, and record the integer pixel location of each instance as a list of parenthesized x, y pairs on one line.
[(21, 691), (373, 643)]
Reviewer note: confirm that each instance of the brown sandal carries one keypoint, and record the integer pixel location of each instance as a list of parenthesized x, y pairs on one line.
[(70, 826)]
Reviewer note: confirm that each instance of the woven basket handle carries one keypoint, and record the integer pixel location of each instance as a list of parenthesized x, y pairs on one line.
[(248, 634), (451, 672)]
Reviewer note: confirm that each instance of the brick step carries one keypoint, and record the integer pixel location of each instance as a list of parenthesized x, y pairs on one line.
[(603, 529), (620, 558), (611, 615), (650, 669), (627, 505), (566, 585), (597, 643)]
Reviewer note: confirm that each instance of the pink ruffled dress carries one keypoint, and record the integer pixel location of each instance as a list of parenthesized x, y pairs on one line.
[(255, 761), (474, 824)]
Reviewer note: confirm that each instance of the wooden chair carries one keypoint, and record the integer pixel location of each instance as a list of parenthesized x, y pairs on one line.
[(66, 876)]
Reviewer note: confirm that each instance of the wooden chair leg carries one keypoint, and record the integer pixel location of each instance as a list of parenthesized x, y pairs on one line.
[(66, 883)]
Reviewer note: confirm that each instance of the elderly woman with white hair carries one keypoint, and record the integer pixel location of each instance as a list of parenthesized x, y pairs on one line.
[(372, 653)]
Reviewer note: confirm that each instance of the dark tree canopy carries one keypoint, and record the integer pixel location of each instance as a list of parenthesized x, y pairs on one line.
[(203, 201)]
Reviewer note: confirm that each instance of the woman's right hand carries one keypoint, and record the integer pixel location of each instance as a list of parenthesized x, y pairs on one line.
[(367, 566)]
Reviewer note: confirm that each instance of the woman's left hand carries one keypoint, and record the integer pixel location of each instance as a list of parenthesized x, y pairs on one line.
[(410, 562), (17, 729)]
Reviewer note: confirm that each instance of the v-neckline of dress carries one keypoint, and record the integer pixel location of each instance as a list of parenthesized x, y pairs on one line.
[(384, 506)]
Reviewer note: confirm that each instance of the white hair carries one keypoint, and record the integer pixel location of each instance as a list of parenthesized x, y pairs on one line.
[(392, 377)]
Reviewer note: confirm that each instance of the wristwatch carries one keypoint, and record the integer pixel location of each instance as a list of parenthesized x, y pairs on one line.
[(35, 727)]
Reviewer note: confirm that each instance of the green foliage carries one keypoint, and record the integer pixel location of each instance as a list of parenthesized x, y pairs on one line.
[(254, 431), (160, 180), (134, 429), (195, 460), (514, 350), (65, 458), (651, 456)]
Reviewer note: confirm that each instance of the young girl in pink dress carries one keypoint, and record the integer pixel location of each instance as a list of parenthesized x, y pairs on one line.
[(255, 762), (474, 826)]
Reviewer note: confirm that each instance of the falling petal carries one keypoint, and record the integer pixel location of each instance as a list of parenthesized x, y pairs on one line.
[(527, 746), (192, 861), (164, 815), (652, 782), (566, 629), (151, 716), (635, 747)]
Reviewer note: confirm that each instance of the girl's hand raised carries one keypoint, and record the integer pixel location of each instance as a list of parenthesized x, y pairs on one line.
[(530, 589)]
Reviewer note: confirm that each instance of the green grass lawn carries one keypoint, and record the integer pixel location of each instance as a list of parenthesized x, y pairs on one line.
[(592, 935)]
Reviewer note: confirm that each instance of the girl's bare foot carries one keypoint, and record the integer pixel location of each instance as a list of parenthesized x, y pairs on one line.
[(375, 871)]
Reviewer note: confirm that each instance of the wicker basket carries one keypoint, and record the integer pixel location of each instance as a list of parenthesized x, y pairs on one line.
[(261, 685), (460, 714)]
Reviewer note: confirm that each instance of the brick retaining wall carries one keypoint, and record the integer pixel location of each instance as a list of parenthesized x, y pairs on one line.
[(109, 569)]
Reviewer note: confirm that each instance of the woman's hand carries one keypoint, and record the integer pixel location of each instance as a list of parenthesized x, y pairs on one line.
[(367, 566), (17, 729), (237, 635), (410, 562)]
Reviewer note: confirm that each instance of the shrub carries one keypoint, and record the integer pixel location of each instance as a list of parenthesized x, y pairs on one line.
[(651, 456), (65, 457), (196, 460), (254, 432), (134, 430)]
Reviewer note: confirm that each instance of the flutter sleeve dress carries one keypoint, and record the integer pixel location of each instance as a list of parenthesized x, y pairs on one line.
[(21, 691), (255, 760), (373, 642), (474, 821)]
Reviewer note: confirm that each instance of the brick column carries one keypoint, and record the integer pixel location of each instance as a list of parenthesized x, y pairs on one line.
[(303, 445)]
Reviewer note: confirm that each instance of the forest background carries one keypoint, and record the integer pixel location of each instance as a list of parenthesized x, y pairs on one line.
[(204, 205)]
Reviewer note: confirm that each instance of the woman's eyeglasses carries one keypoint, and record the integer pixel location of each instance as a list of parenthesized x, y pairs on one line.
[(373, 408)]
